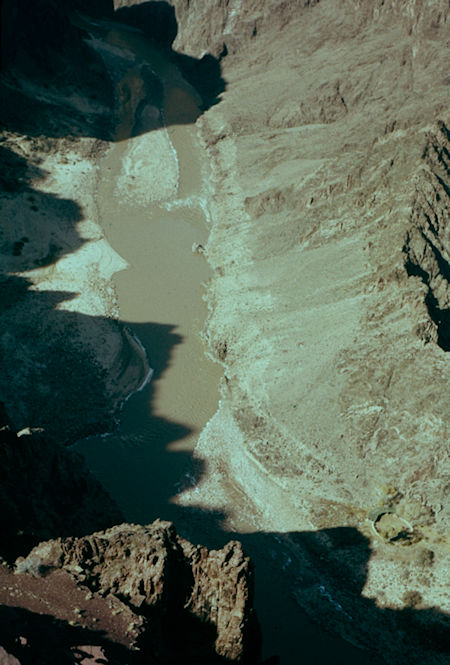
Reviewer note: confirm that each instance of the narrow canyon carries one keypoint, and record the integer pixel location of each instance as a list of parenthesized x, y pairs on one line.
[(225, 266)]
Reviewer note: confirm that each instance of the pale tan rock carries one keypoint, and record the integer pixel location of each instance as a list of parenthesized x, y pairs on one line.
[(7, 658)]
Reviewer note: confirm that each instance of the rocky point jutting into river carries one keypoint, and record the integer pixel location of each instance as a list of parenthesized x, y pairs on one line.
[(301, 149)]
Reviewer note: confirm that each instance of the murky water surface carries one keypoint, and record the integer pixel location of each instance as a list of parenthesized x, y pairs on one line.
[(150, 199)]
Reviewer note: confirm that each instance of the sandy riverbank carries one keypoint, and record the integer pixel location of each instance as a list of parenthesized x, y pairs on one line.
[(62, 262), (328, 312)]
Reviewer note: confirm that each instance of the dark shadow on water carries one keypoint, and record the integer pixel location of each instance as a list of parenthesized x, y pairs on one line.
[(325, 571), (135, 474), (53, 375), (309, 595)]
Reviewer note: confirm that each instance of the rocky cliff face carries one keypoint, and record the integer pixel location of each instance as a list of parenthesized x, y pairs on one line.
[(40, 42), (53, 125), (138, 585), (191, 604), (428, 238), (329, 307), (133, 593)]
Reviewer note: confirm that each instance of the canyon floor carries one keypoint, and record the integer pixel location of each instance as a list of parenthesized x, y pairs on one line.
[(320, 222)]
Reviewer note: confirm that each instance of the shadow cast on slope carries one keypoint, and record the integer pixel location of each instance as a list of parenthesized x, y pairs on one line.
[(158, 22), (41, 638), (63, 388), (325, 570), (309, 595), (51, 378), (55, 85), (39, 227), (142, 473)]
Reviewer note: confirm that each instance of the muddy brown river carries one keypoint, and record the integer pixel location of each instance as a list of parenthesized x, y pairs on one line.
[(152, 202)]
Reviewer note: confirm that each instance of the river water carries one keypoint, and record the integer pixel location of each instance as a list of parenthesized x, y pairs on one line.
[(152, 201)]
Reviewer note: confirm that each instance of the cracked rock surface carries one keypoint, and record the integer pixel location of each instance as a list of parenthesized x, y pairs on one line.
[(206, 596)]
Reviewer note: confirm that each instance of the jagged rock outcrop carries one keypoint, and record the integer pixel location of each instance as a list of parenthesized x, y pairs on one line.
[(148, 576), (329, 305), (218, 27), (205, 597), (427, 246)]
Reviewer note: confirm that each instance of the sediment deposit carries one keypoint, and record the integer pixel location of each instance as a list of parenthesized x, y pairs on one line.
[(68, 364)]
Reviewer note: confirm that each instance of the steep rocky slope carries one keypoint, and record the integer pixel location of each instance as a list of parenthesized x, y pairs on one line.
[(57, 298), (329, 309), (46, 491), (119, 594), (67, 363)]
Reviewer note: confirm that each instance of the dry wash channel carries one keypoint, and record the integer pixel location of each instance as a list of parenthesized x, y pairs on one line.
[(151, 207)]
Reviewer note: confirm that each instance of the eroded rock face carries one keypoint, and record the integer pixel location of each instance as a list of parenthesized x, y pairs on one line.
[(428, 239), (329, 306), (218, 27), (173, 588), (207, 595)]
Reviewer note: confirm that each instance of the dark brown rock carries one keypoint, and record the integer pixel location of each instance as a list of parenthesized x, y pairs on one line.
[(39, 41), (206, 594)]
